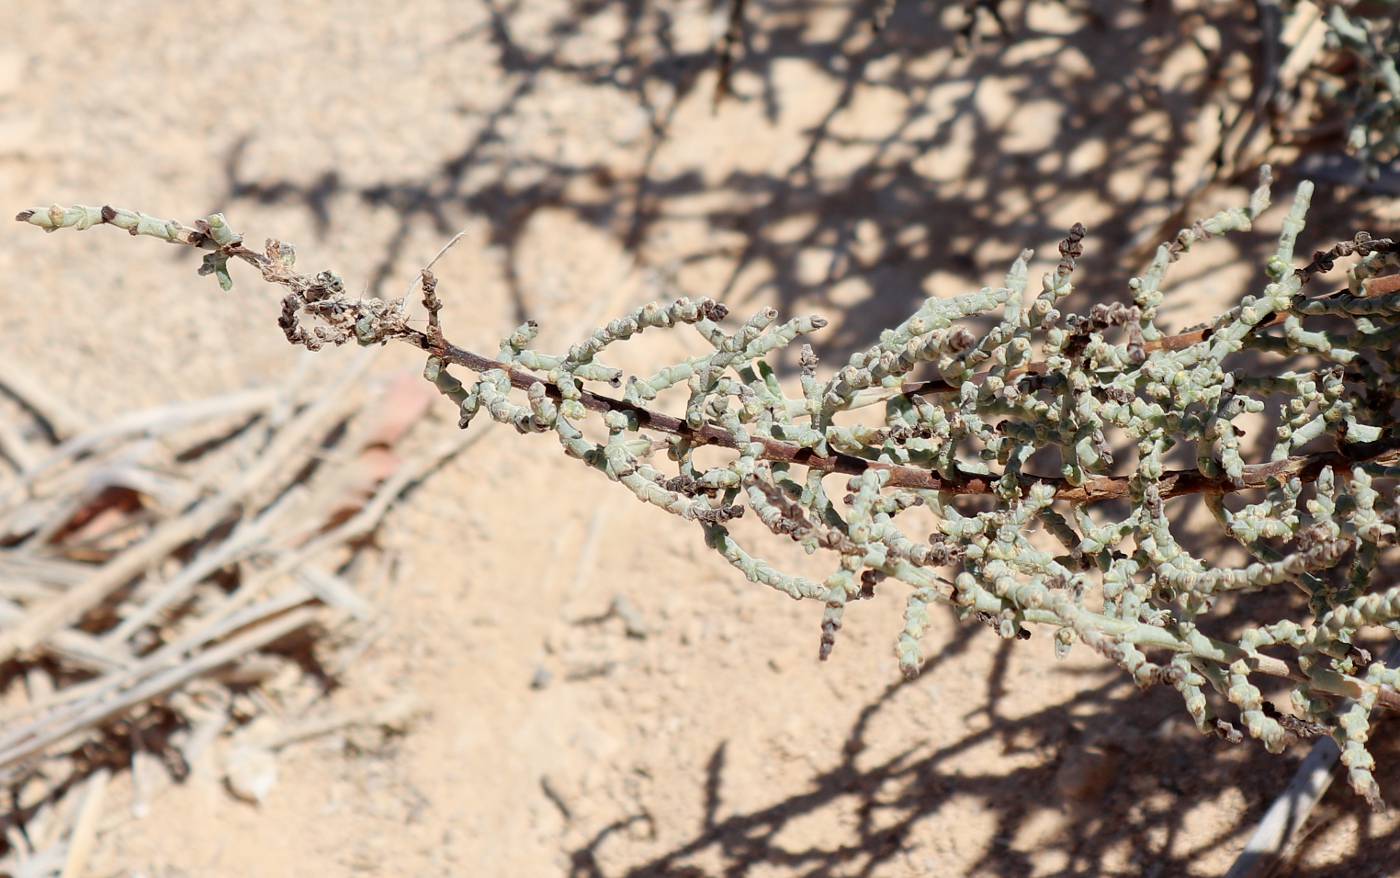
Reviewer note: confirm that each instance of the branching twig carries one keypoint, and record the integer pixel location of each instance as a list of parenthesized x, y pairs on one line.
[(1159, 390), (1174, 483)]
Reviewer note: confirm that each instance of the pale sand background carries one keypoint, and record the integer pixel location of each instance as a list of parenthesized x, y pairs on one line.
[(576, 145)]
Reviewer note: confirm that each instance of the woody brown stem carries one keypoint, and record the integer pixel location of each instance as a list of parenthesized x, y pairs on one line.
[(1174, 483)]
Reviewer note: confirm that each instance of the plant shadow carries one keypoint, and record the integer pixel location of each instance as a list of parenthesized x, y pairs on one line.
[(895, 165), (910, 164), (1109, 780)]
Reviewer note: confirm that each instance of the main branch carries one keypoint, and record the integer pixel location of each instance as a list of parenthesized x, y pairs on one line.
[(275, 266)]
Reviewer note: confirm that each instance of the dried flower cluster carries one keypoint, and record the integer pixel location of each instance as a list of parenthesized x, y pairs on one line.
[(1081, 390)]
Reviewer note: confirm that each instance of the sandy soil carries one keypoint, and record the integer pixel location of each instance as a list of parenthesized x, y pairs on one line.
[(577, 146)]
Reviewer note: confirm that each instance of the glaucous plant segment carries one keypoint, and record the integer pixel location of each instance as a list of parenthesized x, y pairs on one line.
[(1318, 510)]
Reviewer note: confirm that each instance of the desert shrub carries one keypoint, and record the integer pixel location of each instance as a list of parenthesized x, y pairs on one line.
[(1007, 447)]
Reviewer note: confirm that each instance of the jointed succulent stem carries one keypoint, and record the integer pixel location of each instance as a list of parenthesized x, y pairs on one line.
[(1151, 599)]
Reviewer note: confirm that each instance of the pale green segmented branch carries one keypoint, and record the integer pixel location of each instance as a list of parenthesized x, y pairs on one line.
[(1104, 389)]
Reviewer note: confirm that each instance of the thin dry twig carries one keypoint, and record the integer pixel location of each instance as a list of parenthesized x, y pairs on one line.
[(244, 540), (156, 681), (16, 448), (85, 829), (151, 422), (63, 420), (44, 621), (175, 627)]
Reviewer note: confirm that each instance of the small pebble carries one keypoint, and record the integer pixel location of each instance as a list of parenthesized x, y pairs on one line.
[(542, 677)]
